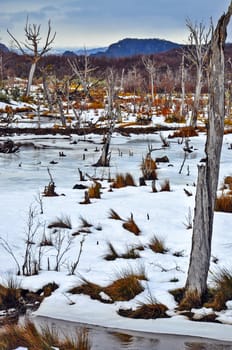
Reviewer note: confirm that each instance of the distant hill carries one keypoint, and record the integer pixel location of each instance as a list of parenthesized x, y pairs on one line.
[(79, 52), (130, 47), (3, 48)]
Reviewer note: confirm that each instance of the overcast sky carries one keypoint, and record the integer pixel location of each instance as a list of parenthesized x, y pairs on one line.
[(97, 23)]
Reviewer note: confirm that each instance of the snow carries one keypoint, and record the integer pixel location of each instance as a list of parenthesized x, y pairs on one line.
[(164, 214)]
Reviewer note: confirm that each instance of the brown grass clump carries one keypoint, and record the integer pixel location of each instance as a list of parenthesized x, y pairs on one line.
[(186, 131), (13, 336), (224, 203), (123, 181), (165, 186), (8, 297), (112, 254), (85, 223), (178, 294), (129, 180), (228, 182), (62, 222), (131, 253), (222, 291), (88, 288), (190, 300), (95, 190), (151, 310), (114, 215), (125, 288), (148, 168), (157, 245), (175, 118), (131, 226)]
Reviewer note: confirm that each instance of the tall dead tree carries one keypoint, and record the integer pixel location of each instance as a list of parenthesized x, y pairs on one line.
[(183, 73), (150, 66), (208, 172), (30, 47), (197, 54), (104, 159)]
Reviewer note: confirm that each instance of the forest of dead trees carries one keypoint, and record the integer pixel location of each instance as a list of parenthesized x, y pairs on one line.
[(130, 70)]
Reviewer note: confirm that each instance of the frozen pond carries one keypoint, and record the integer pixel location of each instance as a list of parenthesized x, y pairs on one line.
[(29, 165)]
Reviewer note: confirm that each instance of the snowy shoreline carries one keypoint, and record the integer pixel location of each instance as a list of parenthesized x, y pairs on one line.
[(126, 200)]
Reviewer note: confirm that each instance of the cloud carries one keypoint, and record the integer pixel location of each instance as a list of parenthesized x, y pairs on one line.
[(104, 21)]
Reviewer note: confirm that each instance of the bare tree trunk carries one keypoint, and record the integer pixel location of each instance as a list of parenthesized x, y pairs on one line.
[(208, 173), (47, 93), (61, 110), (104, 159), (182, 86), (197, 96), (30, 78)]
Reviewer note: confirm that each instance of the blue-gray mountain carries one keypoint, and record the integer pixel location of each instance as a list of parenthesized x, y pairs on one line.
[(130, 47)]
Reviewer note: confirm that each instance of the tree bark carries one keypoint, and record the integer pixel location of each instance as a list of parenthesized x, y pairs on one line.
[(209, 171), (197, 97), (30, 77)]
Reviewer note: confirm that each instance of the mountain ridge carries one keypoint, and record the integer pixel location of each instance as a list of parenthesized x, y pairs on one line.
[(134, 46)]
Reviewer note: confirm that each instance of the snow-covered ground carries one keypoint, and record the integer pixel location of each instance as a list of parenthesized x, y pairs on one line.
[(164, 214)]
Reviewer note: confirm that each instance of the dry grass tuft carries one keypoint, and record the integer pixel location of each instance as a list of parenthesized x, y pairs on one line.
[(94, 191), (148, 168), (13, 336), (178, 294), (10, 293), (131, 253), (228, 182), (131, 226), (124, 288), (63, 222), (112, 253), (222, 291), (165, 186), (123, 181), (190, 300), (129, 180), (157, 245), (186, 131), (88, 288), (114, 215), (85, 223), (151, 310), (224, 203)]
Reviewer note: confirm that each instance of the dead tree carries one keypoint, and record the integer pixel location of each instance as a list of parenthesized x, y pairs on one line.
[(31, 45), (104, 160), (46, 91), (49, 191), (183, 74), (30, 264), (83, 73), (151, 69), (197, 54), (208, 172)]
